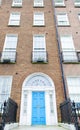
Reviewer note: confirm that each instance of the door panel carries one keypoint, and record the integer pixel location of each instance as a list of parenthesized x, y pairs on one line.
[(38, 108)]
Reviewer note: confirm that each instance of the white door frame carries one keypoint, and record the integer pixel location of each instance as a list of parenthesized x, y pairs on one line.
[(25, 116)]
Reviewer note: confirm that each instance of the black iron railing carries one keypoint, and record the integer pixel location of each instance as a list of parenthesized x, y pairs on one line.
[(39, 57), (66, 109), (8, 112), (70, 56), (8, 57), (70, 113)]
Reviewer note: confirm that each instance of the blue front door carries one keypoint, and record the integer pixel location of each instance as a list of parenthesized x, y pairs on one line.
[(38, 108)]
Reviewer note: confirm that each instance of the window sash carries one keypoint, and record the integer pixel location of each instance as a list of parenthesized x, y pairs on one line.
[(39, 47), (39, 43), (14, 18), (39, 19), (73, 81), (38, 3), (79, 16), (0, 2), (5, 88), (17, 3), (9, 49), (51, 104), (70, 56), (25, 103), (68, 49), (77, 2), (67, 42), (10, 42), (74, 88), (62, 19), (59, 3)]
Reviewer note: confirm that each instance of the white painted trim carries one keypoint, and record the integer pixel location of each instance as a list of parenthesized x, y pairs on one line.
[(51, 119), (35, 74)]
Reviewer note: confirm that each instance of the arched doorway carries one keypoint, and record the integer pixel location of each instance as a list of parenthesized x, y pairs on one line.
[(38, 101)]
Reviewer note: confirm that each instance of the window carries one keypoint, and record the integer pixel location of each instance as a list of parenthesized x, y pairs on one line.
[(74, 88), (68, 50), (62, 19), (59, 2), (5, 88), (39, 42), (39, 48), (0, 2), (38, 3), (25, 104), (51, 103), (14, 19), (17, 3), (79, 16), (9, 50), (77, 3), (39, 19)]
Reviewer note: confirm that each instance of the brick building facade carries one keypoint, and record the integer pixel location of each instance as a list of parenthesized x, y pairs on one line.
[(67, 14), (25, 77)]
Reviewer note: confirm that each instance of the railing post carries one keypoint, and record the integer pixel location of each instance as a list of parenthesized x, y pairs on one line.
[(75, 114), (3, 116)]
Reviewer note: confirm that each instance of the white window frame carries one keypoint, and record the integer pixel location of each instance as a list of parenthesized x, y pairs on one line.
[(17, 3), (62, 19), (9, 51), (14, 19), (5, 88), (38, 19), (68, 49), (59, 3), (39, 47), (77, 3), (73, 83), (38, 3)]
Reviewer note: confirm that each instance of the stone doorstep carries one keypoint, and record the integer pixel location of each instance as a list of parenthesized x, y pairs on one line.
[(61, 126), (11, 126), (67, 126)]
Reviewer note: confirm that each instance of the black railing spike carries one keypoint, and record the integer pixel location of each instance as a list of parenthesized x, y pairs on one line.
[(70, 113)]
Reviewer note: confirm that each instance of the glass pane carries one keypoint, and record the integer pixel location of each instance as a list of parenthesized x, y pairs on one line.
[(51, 103)]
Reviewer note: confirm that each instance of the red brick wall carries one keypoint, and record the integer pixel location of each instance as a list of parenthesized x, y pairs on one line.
[(23, 67)]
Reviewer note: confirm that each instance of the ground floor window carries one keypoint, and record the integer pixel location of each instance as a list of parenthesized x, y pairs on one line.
[(74, 88), (5, 88)]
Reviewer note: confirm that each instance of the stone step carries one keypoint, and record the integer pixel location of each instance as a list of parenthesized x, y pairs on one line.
[(39, 128)]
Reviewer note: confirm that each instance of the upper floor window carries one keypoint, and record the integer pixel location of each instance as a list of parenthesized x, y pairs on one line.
[(77, 3), (39, 48), (5, 88), (62, 19), (39, 42), (17, 3), (9, 49), (74, 88), (38, 3), (38, 19), (68, 49), (59, 3), (14, 19)]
